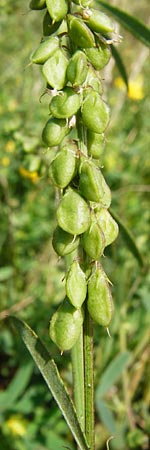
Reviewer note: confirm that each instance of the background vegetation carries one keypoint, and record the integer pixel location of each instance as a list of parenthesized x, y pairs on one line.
[(31, 277)]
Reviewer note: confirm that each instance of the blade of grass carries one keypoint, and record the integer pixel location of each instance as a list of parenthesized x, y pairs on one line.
[(134, 26), (120, 64)]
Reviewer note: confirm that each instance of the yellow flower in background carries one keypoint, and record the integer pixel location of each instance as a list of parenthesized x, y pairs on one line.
[(33, 176), (10, 146), (135, 89), (17, 425), (5, 161)]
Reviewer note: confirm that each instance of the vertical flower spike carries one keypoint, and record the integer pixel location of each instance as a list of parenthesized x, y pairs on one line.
[(72, 53), (75, 47)]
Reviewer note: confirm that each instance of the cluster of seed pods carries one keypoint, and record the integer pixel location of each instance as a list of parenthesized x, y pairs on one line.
[(74, 48)]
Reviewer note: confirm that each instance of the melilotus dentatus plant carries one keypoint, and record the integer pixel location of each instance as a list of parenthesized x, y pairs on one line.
[(75, 46)]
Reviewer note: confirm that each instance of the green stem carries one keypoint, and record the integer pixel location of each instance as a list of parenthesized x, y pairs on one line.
[(78, 380), (88, 380), (77, 358)]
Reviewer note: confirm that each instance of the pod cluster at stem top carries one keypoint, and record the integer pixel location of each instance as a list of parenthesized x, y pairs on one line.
[(74, 48)]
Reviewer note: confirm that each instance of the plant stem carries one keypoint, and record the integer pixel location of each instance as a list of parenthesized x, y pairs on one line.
[(77, 358), (88, 379), (78, 380)]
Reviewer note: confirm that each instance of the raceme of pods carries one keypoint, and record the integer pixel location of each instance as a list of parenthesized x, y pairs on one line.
[(75, 47)]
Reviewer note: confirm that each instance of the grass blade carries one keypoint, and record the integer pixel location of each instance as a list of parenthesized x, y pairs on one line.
[(137, 28), (112, 373), (120, 64)]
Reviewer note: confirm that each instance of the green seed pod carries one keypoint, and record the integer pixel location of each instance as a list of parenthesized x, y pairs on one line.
[(65, 325), (93, 240), (65, 104), (95, 144), (48, 26), (100, 304), (82, 2), (73, 213), (97, 21), (92, 184), (45, 50), (63, 242), (57, 9), (54, 131), (79, 33), (98, 56), (76, 285), (63, 168), (95, 113), (54, 70), (108, 225), (77, 68), (37, 4), (92, 81)]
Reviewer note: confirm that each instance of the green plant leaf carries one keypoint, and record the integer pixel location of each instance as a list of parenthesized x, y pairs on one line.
[(112, 373), (137, 28), (52, 378), (106, 416), (129, 239), (120, 64), (16, 386)]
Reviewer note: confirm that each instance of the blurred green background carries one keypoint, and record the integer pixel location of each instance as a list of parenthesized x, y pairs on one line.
[(31, 276)]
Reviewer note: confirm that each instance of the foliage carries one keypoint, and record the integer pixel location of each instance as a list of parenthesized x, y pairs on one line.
[(30, 274)]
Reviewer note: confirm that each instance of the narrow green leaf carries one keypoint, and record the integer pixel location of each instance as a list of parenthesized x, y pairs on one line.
[(137, 28), (112, 373), (128, 238), (52, 378), (106, 416), (16, 386), (120, 64)]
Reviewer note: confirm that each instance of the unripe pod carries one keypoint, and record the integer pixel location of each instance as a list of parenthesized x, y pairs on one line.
[(82, 2), (76, 285), (54, 70), (48, 26), (65, 325), (65, 104), (54, 131), (73, 213), (100, 304), (63, 242), (79, 33), (108, 225), (37, 4), (45, 50), (98, 56), (93, 240), (63, 167), (95, 144), (92, 81), (98, 21), (92, 184), (77, 68), (95, 113), (57, 9)]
